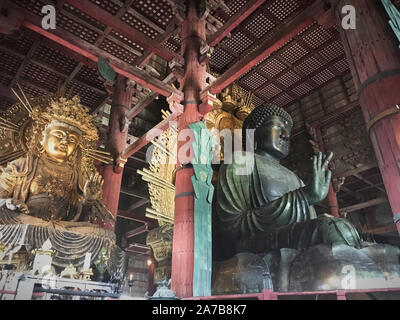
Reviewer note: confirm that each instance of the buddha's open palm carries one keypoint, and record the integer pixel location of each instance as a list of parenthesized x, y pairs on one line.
[(318, 189), (93, 188)]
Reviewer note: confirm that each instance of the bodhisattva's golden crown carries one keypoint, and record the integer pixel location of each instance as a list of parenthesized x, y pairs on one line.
[(22, 125), (70, 112)]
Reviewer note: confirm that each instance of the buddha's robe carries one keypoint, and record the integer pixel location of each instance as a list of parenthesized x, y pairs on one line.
[(266, 208)]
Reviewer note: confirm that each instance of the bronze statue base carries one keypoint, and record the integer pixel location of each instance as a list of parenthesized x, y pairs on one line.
[(319, 268)]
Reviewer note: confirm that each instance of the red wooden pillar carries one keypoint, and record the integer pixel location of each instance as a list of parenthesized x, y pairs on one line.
[(373, 53), (151, 287), (193, 82), (117, 137)]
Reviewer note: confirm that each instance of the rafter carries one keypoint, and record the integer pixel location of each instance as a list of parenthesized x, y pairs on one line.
[(312, 74), (91, 52), (161, 38), (364, 205), (149, 136), (293, 66), (134, 193), (124, 29), (26, 61), (373, 185), (382, 230), (6, 92), (138, 204), (139, 16), (101, 38), (127, 215), (234, 21), (145, 102), (139, 249), (349, 192), (283, 35), (137, 231), (355, 171), (336, 115)]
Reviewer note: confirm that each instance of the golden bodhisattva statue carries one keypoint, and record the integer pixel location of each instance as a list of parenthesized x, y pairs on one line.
[(56, 180), (48, 179)]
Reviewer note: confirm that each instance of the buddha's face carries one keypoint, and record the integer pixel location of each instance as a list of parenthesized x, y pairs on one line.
[(273, 137), (60, 142)]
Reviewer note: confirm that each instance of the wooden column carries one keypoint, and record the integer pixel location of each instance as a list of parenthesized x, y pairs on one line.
[(193, 82), (374, 55), (117, 137), (151, 288)]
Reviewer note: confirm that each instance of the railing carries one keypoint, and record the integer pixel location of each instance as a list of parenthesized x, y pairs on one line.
[(270, 295)]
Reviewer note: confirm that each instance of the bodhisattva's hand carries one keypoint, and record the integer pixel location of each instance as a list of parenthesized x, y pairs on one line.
[(19, 205), (319, 187), (93, 188)]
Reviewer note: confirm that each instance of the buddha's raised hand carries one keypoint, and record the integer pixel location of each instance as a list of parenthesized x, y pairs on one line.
[(318, 189), (93, 188)]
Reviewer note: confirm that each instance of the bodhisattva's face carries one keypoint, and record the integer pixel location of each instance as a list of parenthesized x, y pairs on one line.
[(273, 137), (60, 143)]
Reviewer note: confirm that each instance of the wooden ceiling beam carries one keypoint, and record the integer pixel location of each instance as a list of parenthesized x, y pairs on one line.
[(134, 193), (161, 38), (145, 102), (124, 29), (102, 34), (293, 66), (23, 65), (314, 73), (383, 230), (353, 194), (92, 52), (138, 15), (28, 59), (332, 117), (141, 219), (364, 205), (138, 204), (359, 177), (6, 92), (284, 34), (139, 249), (149, 136), (98, 42), (137, 231), (354, 171), (234, 21)]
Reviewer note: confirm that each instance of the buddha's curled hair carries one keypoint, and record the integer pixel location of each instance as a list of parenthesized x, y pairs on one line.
[(261, 114)]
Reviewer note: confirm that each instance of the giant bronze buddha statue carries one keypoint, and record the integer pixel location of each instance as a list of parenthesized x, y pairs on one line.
[(53, 186), (265, 222), (269, 206)]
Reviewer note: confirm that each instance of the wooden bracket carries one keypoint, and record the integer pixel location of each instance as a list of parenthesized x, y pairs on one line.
[(176, 69), (178, 9), (120, 164), (174, 101), (207, 102), (205, 54)]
